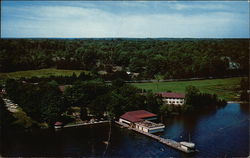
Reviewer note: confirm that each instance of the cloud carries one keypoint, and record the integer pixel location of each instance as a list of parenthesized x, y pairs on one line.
[(76, 22), (199, 6), (214, 6)]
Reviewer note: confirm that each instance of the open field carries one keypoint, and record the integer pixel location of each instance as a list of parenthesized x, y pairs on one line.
[(39, 73), (224, 88)]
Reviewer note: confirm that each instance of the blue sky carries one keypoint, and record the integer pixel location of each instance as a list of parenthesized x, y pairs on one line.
[(143, 19)]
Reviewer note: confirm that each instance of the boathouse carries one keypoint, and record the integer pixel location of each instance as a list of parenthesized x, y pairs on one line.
[(172, 98), (141, 120)]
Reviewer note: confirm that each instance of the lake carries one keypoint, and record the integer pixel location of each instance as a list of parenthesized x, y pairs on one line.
[(217, 133)]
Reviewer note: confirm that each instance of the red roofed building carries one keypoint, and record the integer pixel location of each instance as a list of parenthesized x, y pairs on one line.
[(138, 115), (58, 124), (140, 120), (172, 98)]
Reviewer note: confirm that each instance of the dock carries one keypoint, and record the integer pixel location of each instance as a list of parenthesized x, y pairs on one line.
[(168, 142)]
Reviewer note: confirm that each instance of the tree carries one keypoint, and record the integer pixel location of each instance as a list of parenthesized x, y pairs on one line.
[(165, 110), (88, 94), (118, 83), (6, 118), (153, 102), (12, 88), (191, 93), (158, 78), (116, 106), (83, 113), (42, 102), (244, 84), (244, 96)]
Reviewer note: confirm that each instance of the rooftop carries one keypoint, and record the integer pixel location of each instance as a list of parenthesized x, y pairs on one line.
[(58, 123), (171, 95), (138, 115)]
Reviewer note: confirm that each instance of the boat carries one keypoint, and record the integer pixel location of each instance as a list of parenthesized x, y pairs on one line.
[(188, 146)]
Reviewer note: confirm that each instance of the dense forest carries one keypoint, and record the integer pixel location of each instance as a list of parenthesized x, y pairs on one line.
[(149, 58), (44, 103)]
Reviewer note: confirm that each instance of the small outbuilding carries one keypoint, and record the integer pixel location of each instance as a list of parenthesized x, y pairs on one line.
[(58, 124)]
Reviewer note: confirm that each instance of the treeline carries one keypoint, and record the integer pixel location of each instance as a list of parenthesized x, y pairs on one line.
[(62, 80), (198, 100), (44, 102), (83, 76), (148, 57)]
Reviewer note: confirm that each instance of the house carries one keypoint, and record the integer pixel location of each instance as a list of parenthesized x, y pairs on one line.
[(62, 88), (173, 98), (2, 91), (58, 125), (141, 120), (133, 74)]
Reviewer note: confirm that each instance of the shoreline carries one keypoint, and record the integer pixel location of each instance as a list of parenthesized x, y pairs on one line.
[(239, 102), (84, 124)]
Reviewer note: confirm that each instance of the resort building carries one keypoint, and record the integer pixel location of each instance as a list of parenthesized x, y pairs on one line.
[(173, 98), (140, 120)]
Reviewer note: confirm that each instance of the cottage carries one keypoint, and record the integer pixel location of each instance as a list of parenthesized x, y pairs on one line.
[(62, 88), (141, 120), (58, 125), (173, 98)]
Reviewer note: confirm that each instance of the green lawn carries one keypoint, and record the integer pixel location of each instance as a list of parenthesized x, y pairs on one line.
[(39, 73), (224, 88)]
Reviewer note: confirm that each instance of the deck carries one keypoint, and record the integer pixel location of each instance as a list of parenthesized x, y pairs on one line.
[(169, 142)]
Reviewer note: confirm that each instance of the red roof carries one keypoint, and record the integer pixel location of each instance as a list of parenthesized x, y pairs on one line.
[(58, 123), (138, 115), (171, 95)]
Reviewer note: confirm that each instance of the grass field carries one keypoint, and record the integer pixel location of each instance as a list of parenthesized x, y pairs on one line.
[(39, 73), (224, 88)]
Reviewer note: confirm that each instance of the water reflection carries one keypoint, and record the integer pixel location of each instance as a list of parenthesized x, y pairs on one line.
[(244, 108)]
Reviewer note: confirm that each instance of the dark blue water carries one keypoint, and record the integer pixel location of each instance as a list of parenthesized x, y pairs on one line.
[(217, 133)]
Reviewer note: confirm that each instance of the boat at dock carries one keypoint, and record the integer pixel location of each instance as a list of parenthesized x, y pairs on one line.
[(189, 146)]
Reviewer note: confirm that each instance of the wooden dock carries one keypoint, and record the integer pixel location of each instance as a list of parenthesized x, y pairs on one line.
[(169, 142)]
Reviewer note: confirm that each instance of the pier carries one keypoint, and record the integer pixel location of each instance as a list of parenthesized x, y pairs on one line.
[(168, 142)]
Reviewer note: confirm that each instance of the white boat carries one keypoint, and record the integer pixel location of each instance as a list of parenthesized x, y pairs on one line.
[(188, 146)]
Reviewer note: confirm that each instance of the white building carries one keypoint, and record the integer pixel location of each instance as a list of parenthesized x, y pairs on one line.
[(140, 120), (173, 98)]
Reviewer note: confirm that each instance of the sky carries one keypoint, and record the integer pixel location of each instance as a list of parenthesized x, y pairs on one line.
[(131, 19)]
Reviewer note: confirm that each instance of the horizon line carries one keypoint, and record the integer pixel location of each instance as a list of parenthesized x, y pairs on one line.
[(125, 37)]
